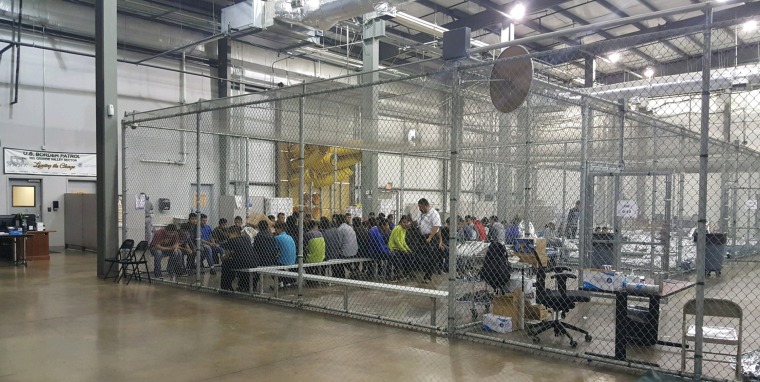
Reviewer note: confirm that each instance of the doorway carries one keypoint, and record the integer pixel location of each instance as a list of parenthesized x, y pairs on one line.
[(25, 197)]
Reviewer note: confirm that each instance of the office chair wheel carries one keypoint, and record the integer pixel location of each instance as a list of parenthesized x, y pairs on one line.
[(536, 340), (474, 313), (588, 338), (573, 344)]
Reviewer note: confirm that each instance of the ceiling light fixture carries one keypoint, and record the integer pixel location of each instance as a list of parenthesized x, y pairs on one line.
[(749, 26), (615, 57), (518, 11), (649, 73)]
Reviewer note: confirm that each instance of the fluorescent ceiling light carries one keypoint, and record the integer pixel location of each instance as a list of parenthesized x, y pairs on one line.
[(615, 57), (749, 26), (419, 24), (518, 11), (649, 73)]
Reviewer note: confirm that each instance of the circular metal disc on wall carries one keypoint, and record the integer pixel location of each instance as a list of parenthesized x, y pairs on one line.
[(511, 79)]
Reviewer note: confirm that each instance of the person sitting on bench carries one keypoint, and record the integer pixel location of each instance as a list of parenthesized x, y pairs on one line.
[(314, 243), (402, 254), (238, 254), (286, 246)]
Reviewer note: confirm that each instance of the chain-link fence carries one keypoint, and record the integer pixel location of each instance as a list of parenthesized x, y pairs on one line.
[(413, 200)]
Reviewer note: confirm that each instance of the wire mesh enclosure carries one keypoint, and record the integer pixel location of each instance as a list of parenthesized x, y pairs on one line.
[(414, 200)]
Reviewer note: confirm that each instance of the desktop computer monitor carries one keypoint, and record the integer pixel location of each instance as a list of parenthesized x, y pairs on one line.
[(7, 221)]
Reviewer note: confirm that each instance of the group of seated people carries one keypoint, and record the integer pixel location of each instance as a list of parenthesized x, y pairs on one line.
[(178, 243), (271, 241), (491, 229)]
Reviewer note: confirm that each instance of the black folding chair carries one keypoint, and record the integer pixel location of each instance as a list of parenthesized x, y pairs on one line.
[(134, 262), (123, 253)]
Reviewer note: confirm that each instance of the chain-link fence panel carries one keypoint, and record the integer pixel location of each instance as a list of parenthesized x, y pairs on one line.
[(560, 213)]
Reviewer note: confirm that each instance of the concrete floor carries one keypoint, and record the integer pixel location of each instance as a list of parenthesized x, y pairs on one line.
[(58, 322)]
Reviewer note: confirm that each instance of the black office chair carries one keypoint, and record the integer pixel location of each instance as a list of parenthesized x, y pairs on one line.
[(496, 270), (560, 301), (122, 254)]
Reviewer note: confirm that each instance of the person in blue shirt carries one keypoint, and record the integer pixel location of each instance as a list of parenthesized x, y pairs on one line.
[(513, 231), (212, 250), (378, 244), (285, 245)]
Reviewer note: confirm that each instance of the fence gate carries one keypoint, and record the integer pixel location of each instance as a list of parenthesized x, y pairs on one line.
[(629, 223), (740, 219)]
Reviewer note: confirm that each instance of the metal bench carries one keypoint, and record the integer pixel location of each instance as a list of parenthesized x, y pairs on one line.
[(326, 263), (433, 294)]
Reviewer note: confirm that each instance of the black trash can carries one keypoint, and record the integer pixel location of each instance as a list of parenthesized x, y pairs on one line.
[(715, 251), (640, 326), (603, 250)]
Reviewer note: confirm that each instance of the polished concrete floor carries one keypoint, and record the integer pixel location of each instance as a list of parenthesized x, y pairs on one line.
[(60, 323)]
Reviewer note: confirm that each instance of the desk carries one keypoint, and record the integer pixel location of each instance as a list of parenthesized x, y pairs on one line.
[(19, 247), (670, 287), (38, 245)]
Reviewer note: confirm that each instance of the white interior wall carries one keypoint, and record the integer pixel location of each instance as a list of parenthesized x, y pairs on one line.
[(56, 108)]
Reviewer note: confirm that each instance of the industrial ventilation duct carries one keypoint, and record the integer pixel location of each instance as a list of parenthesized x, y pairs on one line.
[(323, 14), (316, 14)]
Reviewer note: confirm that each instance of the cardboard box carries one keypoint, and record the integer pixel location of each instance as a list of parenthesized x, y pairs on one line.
[(526, 250), (537, 312), (497, 324), (508, 305), (600, 279)]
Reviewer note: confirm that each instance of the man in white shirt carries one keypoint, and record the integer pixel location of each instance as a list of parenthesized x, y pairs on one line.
[(430, 227)]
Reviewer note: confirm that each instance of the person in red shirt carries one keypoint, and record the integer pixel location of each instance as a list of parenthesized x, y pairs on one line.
[(479, 228), (166, 242)]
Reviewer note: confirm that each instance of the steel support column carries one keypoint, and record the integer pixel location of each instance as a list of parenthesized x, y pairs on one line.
[(106, 131), (223, 115), (589, 72), (372, 30)]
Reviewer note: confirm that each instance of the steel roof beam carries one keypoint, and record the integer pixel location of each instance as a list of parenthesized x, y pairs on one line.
[(606, 4), (495, 14), (670, 19)]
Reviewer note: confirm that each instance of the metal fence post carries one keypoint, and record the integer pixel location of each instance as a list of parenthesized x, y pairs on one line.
[(702, 207), (564, 197), (582, 234), (301, 187), (198, 194), (247, 177), (456, 132), (124, 230), (618, 221), (665, 265)]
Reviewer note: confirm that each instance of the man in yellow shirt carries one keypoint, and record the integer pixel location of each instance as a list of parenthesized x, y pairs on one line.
[(402, 254)]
